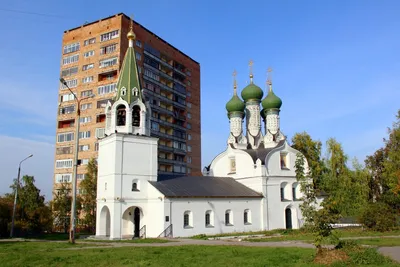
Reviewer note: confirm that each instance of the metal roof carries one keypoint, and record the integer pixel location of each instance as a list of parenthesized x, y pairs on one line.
[(261, 152), (204, 187)]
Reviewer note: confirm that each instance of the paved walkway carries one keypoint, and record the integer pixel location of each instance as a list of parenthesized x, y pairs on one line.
[(392, 252)]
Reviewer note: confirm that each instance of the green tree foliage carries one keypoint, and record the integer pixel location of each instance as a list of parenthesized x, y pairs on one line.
[(317, 219), (347, 188), (378, 216), (32, 215), (312, 152), (89, 189), (61, 207), (6, 205)]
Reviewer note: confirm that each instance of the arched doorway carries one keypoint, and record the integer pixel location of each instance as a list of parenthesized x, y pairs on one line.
[(288, 218), (105, 221), (136, 221), (131, 222)]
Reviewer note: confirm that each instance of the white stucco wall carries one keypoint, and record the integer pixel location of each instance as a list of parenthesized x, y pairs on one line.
[(198, 208)]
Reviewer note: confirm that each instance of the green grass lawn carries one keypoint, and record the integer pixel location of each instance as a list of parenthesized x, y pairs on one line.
[(58, 254), (146, 240)]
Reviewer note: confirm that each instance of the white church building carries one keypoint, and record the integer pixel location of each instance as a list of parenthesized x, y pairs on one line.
[(251, 186)]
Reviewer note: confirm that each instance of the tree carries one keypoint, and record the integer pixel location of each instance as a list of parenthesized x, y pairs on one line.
[(89, 189), (6, 204), (312, 152), (33, 216), (61, 206), (317, 219)]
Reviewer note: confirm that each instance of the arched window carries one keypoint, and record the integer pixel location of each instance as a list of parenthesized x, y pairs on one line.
[(209, 218), (187, 219), (135, 185), (283, 193), (121, 115), (136, 116), (247, 216), (228, 217), (294, 191)]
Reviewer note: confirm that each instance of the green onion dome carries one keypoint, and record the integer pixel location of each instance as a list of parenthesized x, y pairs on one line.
[(271, 101), (252, 91), (235, 104)]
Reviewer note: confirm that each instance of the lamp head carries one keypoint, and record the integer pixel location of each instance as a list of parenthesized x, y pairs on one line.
[(63, 81)]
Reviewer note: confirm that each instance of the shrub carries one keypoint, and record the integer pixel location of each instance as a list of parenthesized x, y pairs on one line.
[(378, 217)]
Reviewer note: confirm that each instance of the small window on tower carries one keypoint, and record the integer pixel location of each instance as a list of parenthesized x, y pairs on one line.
[(135, 185), (121, 115), (232, 165), (284, 161), (136, 116)]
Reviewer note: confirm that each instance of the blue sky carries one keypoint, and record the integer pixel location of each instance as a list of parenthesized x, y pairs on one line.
[(336, 67)]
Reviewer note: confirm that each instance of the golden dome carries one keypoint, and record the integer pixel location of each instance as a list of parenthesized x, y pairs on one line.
[(131, 35)]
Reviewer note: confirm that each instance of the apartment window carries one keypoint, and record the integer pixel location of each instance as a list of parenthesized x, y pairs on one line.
[(102, 103), (64, 178), (151, 75), (88, 66), (187, 219), (88, 54), (85, 119), (189, 105), (64, 150), (84, 147), (63, 163), (89, 41), (189, 148), (70, 83), (67, 97), (86, 93), (80, 176), (189, 137), (96, 146), (105, 89), (67, 110), (189, 94), (86, 106), (109, 35), (138, 43), (179, 169), (84, 135), (84, 161), (69, 72), (189, 83), (70, 59), (87, 79), (189, 170), (108, 49), (71, 48), (189, 126), (228, 218), (139, 69), (188, 73), (108, 62), (155, 126), (65, 137), (138, 56), (100, 132), (189, 160)]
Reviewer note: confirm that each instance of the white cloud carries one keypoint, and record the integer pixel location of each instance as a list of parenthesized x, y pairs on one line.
[(13, 150)]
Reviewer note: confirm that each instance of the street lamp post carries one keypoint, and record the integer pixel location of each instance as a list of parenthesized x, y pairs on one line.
[(16, 194), (75, 168)]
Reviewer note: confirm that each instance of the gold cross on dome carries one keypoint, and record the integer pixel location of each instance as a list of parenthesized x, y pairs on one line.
[(131, 24), (269, 76), (251, 66), (234, 78)]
